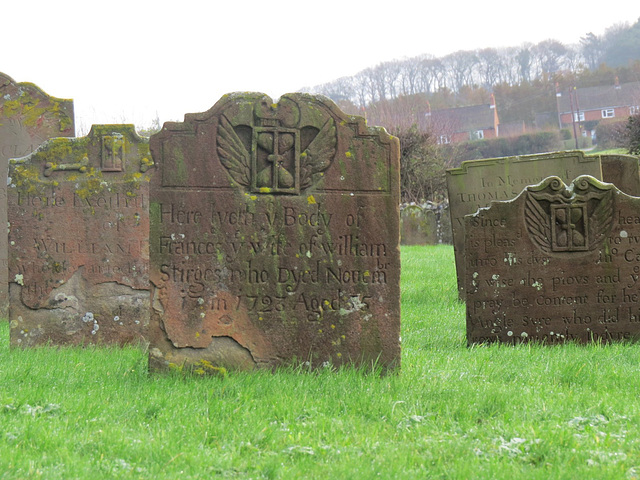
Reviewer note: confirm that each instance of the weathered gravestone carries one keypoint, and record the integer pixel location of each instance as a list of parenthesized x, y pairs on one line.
[(478, 182), (555, 264), (78, 240), (418, 226), (445, 233), (622, 171), (274, 237), (28, 117)]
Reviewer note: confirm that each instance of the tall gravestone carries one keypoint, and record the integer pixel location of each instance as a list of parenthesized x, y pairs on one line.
[(78, 240), (479, 182), (28, 117), (556, 264), (274, 237)]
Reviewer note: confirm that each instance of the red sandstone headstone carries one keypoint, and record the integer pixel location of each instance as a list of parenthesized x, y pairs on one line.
[(555, 264), (274, 237), (78, 240), (28, 117)]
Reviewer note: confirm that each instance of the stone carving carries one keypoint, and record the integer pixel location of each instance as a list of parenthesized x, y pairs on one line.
[(274, 237), (79, 240), (80, 166), (478, 182), (28, 117), (555, 264), (568, 220), (113, 147), (285, 154)]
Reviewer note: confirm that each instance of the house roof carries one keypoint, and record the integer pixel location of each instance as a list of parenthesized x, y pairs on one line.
[(595, 98), (464, 119)]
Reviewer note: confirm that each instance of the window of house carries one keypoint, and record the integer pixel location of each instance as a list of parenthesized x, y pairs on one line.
[(608, 113), (444, 140), (578, 116), (634, 110), (476, 135)]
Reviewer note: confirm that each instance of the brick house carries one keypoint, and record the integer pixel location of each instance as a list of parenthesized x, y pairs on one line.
[(461, 124), (596, 104)]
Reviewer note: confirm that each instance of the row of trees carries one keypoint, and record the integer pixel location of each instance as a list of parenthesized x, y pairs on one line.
[(485, 67), (398, 95)]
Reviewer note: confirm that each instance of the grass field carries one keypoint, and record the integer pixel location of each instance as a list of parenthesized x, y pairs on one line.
[(567, 412)]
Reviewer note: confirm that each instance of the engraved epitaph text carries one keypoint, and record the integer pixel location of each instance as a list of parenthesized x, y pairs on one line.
[(79, 216), (28, 117), (555, 264), (274, 238)]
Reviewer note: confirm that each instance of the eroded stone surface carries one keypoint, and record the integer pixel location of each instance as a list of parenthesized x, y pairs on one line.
[(555, 264), (78, 240), (622, 171), (479, 182), (419, 226), (274, 237), (28, 117)]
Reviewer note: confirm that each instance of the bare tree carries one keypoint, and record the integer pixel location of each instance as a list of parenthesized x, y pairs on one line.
[(489, 66), (550, 55), (573, 58), (370, 80), (409, 71), (508, 72), (379, 79), (338, 90), (460, 66), (361, 89), (432, 74)]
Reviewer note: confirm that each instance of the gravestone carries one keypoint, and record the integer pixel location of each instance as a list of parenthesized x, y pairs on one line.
[(28, 117), (622, 171), (555, 264), (418, 226), (78, 240), (445, 233), (274, 237), (476, 183)]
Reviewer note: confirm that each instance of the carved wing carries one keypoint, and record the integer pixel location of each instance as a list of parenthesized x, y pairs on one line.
[(600, 220), (538, 223), (319, 154), (232, 153)]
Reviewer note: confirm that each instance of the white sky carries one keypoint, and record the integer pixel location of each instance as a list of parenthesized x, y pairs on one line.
[(125, 61)]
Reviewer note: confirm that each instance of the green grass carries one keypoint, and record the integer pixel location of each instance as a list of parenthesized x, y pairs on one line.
[(609, 151), (567, 412)]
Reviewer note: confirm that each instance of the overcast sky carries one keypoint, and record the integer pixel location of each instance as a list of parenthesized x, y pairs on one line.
[(126, 61)]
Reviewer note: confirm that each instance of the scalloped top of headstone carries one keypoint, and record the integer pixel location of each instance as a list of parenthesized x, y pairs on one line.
[(28, 116), (283, 190), (557, 263), (78, 239), (268, 147), (108, 150)]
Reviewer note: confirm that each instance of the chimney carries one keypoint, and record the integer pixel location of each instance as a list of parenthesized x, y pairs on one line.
[(558, 92), (428, 114), (493, 102), (617, 84)]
